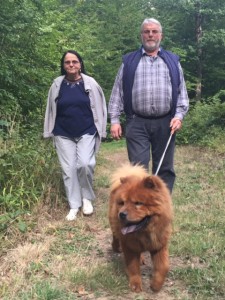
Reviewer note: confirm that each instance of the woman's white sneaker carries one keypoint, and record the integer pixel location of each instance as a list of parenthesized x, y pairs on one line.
[(87, 207), (72, 214)]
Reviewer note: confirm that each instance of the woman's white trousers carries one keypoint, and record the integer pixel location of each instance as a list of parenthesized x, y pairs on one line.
[(77, 160)]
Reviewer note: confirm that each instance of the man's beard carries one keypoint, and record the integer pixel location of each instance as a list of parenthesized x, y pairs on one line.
[(152, 47)]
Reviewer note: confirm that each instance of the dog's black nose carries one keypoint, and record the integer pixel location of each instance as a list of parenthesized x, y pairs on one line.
[(123, 215)]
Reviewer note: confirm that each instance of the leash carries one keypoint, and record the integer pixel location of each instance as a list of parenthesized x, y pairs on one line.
[(161, 160)]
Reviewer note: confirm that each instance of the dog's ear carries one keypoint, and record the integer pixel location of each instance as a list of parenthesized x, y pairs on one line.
[(153, 182), (149, 182), (123, 179)]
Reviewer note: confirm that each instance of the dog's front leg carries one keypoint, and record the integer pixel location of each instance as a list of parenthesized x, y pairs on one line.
[(132, 261), (160, 261)]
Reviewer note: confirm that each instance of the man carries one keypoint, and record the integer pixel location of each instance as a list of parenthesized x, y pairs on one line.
[(150, 89)]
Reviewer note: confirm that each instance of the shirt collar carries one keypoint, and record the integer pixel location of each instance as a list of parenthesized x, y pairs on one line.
[(144, 52)]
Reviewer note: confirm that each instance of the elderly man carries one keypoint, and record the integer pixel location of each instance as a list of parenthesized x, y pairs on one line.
[(151, 90)]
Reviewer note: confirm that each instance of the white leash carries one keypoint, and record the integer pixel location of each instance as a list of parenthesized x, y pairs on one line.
[(161, 160)]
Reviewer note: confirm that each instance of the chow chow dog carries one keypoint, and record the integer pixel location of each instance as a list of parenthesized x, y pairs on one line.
[(140, 217)]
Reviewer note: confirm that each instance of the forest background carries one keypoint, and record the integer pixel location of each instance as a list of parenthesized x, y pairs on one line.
[(35, 33), (33, 36)]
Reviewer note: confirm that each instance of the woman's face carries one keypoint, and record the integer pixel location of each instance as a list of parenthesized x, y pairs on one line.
[(71, 64)]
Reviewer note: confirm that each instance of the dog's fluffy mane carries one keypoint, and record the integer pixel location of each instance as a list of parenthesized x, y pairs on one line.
[(127, 170)]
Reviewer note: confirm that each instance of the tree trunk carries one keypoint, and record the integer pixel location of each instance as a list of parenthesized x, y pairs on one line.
[(199, 33)]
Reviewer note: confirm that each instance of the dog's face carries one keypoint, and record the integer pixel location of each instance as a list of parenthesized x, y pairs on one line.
[(136, 201)]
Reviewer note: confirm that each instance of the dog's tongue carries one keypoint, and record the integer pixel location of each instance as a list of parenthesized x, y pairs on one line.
[(129, 229), (135, 227)]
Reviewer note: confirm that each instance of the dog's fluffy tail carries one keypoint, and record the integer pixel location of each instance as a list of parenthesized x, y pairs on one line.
[(127, 170)]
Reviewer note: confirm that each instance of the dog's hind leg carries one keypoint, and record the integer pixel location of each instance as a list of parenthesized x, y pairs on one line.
[(116, 245), (160, 261), (142, 259)]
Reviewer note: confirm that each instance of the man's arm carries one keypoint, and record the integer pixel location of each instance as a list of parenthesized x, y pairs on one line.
[(182, 101), (182, 104)]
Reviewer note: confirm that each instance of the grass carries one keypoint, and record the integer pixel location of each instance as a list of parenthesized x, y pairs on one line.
[(199, 226), (54, 259)]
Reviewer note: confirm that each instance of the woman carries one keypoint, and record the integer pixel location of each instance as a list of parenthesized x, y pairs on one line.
[(76, 118)]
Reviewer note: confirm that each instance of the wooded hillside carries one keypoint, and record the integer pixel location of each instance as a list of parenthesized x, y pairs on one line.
[(34, 34)]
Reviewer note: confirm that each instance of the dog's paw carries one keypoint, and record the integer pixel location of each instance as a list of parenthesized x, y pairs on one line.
[(157, 282), (136, 286), (156, 286)]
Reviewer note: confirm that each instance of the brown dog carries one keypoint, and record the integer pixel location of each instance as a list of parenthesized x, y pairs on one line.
[(140, 216)]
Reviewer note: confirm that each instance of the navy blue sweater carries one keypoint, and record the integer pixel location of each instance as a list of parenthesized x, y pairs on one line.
[(74, 117)]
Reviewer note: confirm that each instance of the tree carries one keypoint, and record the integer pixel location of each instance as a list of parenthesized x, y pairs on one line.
[(196, 28)]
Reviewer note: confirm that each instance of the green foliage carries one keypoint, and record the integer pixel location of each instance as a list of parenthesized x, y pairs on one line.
[(204, 124), (102, 31), (24, 163), (19, 76), (196, 26), (15, 218), (20, 188), (45, 291)]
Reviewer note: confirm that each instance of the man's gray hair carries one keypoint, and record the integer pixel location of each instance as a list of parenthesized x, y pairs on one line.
[(151, 20)]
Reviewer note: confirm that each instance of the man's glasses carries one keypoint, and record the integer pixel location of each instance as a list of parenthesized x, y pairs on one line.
[(154, 32), (74, 62)]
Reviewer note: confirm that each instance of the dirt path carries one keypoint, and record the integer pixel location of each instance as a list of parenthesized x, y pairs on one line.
[(41, 242)]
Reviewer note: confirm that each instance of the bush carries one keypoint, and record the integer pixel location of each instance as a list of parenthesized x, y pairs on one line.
[(25, 170), (204, 125), (28, 167)]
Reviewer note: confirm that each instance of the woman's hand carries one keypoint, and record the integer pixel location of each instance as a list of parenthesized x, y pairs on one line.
[(116, 131)]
